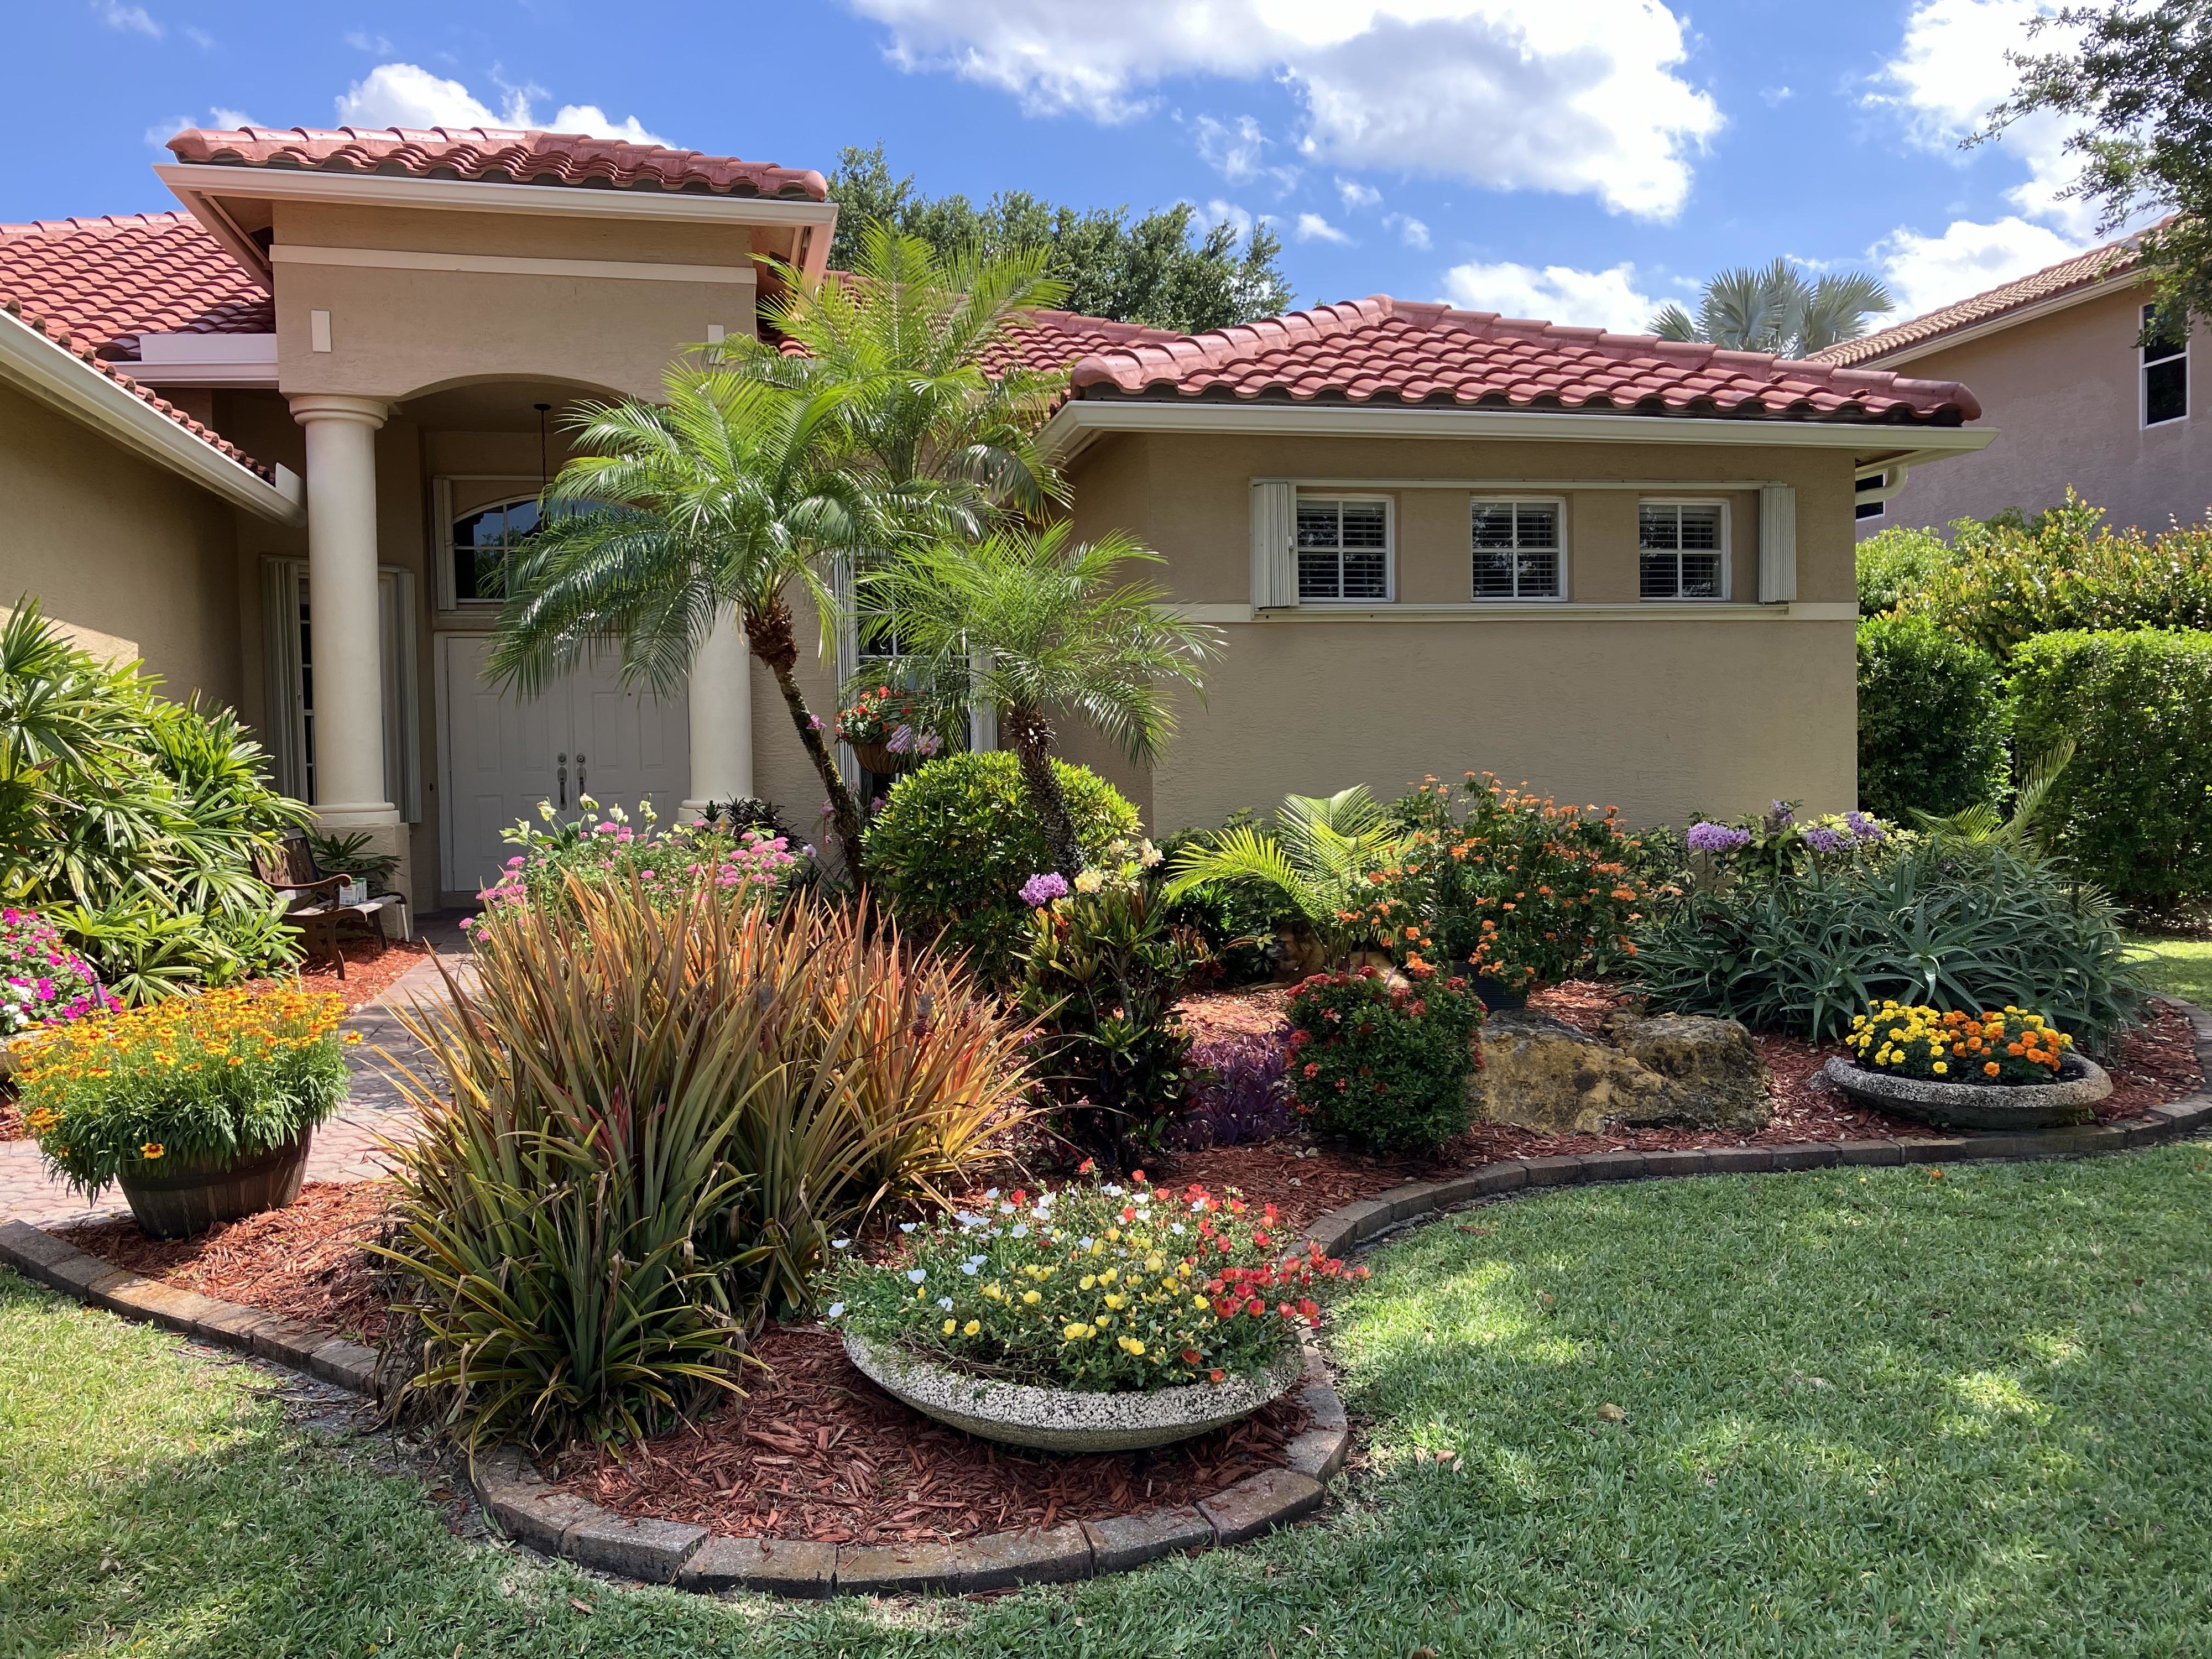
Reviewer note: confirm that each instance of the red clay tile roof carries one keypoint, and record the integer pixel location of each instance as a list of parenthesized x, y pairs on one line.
[(2082, 272), (1386, 351), (83, 353), (496, 154), (1059, 339), (107, 281)]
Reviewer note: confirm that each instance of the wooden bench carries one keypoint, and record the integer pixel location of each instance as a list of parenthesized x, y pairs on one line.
[(315, 908)]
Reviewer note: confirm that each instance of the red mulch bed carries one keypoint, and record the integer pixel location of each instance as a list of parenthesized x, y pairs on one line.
[(818, 1451), (304, 1262)]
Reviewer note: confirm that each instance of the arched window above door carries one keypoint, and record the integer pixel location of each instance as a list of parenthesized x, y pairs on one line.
[(482, 540)]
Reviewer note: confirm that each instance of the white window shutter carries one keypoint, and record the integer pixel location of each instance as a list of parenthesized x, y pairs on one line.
[(1778, 544), (1275, 561)]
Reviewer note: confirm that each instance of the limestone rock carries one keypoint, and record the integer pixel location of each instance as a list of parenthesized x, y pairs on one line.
[(1715, 1071), (1543, 1074)]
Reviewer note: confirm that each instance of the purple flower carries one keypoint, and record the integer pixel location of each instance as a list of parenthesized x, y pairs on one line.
[(1780, 812), (1708, 837), (902, 739), (1043, 890), (1865, 828), (1825, 840)]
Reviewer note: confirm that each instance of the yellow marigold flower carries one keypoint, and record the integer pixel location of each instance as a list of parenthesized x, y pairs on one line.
[(1940, 1067)]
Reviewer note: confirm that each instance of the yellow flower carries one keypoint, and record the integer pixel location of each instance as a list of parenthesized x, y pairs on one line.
[(152, 1150), (1940, 1067), (1076, 1333), (1030, 1298), (970, 1328), (949, 1327), (1130, 1345)]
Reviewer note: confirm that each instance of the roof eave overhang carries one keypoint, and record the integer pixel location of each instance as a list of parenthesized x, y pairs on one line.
[(1913, 349), (1079, 422), (203, 186), (39, 368)]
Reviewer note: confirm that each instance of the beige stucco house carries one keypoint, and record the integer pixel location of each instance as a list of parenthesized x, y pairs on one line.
[(2056, 360), (268, 443)]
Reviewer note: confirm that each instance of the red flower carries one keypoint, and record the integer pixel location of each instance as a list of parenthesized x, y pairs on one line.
[(1086, 1166)]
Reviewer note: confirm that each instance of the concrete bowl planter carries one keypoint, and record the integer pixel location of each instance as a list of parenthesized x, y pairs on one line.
[(1069, 1419), (2082, 1082)]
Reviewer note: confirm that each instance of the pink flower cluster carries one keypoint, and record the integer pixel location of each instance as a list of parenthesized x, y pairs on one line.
[(42, 978)]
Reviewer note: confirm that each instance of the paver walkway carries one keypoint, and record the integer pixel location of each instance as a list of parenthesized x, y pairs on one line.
[(347, 1148)]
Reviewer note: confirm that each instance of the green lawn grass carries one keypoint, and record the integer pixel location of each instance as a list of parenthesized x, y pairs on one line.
[(2179, 967), (1895, 1413)]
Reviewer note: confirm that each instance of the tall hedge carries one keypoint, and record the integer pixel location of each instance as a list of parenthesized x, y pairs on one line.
[(2134, 810), (1932, 719)]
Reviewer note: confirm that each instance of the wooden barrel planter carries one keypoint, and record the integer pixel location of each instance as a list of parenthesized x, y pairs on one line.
[(195, 1194)]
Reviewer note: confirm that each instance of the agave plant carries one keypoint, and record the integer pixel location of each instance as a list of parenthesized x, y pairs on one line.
[(1320, 857), (659, 1119)]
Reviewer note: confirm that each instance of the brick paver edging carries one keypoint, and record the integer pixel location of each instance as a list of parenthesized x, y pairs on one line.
[(535, 1511)]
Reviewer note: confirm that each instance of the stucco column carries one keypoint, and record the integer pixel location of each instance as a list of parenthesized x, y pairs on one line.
[(721, 717), (349, 692)]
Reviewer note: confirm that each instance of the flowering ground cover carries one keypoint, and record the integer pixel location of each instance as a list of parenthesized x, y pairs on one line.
[(1843, 1413)]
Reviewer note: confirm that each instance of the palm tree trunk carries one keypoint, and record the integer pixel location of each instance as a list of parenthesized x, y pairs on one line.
[(768, 632), (1032, 736)]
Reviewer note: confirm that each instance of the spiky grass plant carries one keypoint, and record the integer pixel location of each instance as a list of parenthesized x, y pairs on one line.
[(658, 1115)]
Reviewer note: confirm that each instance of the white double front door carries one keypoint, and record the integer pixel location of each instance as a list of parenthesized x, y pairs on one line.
[(503, 754)]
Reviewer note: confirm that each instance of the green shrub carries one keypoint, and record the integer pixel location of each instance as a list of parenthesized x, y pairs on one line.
[(1896, 565), (1384, 1065), (2008, 581), (1932, 719), (1940, 923), (658, 1117), (1101, 972), (957, 838), (132, 821), (1105, 1289), (209, 1078), (2133, 810), (1237, 921)]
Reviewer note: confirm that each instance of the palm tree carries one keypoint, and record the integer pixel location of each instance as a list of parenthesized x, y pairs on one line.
[(1777, 310), (729, 493), (1319, 857), (1031, 623)]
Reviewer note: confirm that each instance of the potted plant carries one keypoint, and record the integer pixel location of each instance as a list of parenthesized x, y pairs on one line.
[(885, 729), (42, 982), (1096, 1318), (365, 871), (202, 1106), (2004, 1068)]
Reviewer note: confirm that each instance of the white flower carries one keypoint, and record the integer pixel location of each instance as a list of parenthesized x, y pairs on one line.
[(915, 1275), (1175, 1226), (990, 1191), (837, 1309), (839, 1244), (1021, 1233), (1090, 881), (946, 1303), (1148, 855), (906, 1226), (967, 1267)]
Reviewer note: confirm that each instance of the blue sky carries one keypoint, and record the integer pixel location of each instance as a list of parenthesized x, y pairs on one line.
[(1578, 160)]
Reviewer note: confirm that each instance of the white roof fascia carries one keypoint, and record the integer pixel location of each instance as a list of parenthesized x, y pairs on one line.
[(205, 360), (199, 185), (62, 381), (1077, 421)]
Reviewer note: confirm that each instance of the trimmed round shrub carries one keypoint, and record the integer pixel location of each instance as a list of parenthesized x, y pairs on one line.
[(957, 838), (1384, 1064), (2133, 810), (1932, 718)]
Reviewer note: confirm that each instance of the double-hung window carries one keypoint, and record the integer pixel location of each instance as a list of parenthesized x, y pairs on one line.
[(1519, 552), (1344, 549), (1683, 549), (2164, 371)]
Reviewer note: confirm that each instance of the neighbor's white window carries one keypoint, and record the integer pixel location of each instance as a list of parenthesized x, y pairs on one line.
[(1343, 548), (2165, 373), (1520, 550), (1683, 549)]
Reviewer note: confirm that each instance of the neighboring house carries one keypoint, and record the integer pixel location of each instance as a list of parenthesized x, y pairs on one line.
[(1617, 568), (2058, 363)]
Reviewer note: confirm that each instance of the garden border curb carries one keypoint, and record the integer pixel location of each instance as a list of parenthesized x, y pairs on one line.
[(534, 1512)]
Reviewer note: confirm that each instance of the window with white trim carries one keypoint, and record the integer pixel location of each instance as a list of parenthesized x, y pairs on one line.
[(484, 538), (1344, 549), (1520, 550), (1682, 550), (2165, 371), (1870, 509)]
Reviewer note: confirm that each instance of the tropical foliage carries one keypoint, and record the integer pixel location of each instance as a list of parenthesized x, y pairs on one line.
[(658, 1117), (211, 1077), (131, 822), (1103, 1288), (1777, 309)]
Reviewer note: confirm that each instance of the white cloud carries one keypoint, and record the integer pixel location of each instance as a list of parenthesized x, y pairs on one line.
[(159, 134), (1217, 211), (407, 96), (1232, 149), (1411, 231), (1357, 195), (220, 117), (201, 39), (1555, 294), (1312, 227), (1924, 273), (131, 19), (1514, 95), (374, 45), (1775, 97)]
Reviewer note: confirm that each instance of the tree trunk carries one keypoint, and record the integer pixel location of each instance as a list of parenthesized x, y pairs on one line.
[(768, 632), (1032, 736)]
